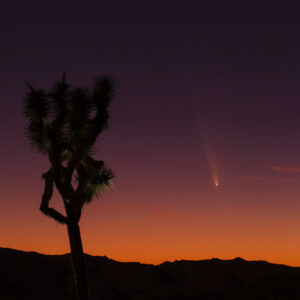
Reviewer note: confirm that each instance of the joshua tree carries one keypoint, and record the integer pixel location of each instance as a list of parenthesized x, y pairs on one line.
[(64, 123)]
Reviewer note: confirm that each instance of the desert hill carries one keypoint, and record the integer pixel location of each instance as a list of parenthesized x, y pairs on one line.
[(30, 275)]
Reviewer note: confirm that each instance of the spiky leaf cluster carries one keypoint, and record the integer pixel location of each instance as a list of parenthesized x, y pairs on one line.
[(98, 180)]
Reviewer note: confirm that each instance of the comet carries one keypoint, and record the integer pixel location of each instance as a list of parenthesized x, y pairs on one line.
[(208, 148), (211, 158)]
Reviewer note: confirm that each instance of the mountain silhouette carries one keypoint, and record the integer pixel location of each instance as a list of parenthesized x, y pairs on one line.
[(30, 275)]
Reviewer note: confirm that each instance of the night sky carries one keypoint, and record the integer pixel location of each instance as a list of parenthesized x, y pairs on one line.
[(208, 94)]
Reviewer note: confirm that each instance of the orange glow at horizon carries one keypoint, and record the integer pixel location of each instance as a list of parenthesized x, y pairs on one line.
[(124, 230)]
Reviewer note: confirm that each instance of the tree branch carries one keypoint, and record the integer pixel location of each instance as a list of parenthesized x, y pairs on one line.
[(47, 195), (62, 181), (75, 160), (79, 196)]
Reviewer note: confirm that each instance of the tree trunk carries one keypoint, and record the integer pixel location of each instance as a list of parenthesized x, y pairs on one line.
[(78, 261)]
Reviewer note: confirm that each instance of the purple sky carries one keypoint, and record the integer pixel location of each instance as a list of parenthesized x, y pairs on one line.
[(183, 67)]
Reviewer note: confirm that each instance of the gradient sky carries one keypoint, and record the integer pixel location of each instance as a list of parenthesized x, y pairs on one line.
[(206, 90)]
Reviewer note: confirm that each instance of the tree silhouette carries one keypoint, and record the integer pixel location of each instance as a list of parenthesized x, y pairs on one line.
[(64, 123)]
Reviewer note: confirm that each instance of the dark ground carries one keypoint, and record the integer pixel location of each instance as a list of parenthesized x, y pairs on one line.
[(29, 275)]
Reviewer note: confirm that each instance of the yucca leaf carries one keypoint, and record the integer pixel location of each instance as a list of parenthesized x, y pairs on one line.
[(36, 105), (80, 110), (98, 181), (104, 91)]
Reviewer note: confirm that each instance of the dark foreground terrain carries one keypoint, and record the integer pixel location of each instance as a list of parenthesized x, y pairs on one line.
[(29, 275)]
